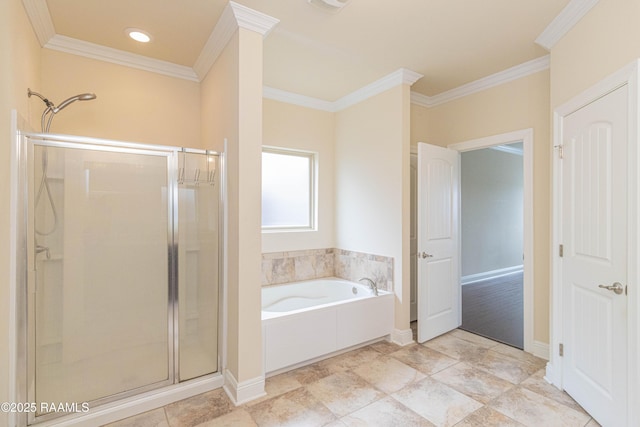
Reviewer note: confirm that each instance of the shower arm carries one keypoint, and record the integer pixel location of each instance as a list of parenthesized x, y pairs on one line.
[(45, 100), (52, 110)]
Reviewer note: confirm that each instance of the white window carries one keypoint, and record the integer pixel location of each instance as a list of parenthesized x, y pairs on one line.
[(288, 189)]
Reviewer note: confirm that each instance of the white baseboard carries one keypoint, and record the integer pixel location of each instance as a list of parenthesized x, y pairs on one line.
[(548, 373), (540, 349), (244, 391), (402, 336), (552, 377), (472, 278)]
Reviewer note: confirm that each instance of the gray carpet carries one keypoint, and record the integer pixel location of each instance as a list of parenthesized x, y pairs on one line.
[(494, 309)]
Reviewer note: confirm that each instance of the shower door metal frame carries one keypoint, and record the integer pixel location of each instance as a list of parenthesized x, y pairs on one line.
[(25, 291), (221, 245)]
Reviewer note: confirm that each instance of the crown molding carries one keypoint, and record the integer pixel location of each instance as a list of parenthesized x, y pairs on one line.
[(220, 36), (233, 17), (566, 19), (404, 76), (408, 77), (497, 79), (40, 18), (398, 77), (422, 100), (253, 20), (296, 99), (120, 57), (238, 16)]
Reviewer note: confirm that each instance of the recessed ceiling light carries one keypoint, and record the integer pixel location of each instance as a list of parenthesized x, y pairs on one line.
[(329, 5), (138, 35)]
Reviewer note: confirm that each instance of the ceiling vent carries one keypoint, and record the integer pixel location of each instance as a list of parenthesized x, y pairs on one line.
[(332, 6)]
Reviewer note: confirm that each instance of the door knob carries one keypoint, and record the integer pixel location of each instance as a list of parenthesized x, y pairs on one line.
[(426, 255), (616, 287)]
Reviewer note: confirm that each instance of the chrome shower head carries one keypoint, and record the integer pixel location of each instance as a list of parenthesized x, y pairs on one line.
[(52, 110), (81, 97)]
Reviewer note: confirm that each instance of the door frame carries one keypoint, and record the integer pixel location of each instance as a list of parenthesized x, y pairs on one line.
[(629, 75), (526, 137), (413, 226)]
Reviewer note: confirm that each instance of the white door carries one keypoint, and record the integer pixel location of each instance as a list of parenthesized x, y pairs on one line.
[(438, 241), (594, 227), (413, 275)]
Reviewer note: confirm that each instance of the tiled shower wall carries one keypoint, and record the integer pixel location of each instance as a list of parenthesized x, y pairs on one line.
[(285, 267)]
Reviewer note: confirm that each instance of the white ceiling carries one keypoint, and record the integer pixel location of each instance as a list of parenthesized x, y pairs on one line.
[(327, 56)]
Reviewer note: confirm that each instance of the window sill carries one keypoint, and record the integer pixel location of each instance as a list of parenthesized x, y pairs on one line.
[(288, 230)]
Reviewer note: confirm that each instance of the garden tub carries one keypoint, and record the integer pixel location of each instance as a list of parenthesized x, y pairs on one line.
[(304, 321)]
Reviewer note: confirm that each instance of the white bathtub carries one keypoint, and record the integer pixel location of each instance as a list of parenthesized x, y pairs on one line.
[(306, 320)]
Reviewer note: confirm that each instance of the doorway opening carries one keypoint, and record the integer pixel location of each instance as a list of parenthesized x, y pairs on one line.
[(420, 264), (491, 192)]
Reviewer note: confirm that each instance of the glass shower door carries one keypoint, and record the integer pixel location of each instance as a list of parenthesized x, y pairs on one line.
[(102, 230), (198, 263)]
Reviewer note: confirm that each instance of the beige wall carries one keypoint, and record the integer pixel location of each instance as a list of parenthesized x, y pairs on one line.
[(232, 110), (219, 100), (419, 125), (605, 40), (250, 207), (519, 104), (131, 104), (19, 69), (372, 185), (291, 126)]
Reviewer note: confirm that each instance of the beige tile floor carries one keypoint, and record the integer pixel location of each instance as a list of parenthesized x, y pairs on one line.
[(458, 379)]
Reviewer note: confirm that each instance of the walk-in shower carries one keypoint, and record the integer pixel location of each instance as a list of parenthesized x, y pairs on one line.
[(122, 247)]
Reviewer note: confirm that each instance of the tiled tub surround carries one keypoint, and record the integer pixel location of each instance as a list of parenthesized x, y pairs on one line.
[(293, 266), (352, 266)]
